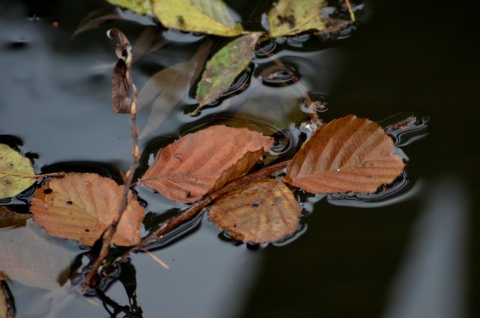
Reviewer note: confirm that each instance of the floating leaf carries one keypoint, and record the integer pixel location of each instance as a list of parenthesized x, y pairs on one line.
[(262, 211), (32, 257), (206, 16), (81, 206), (346, 155), (224, 67), (138, 6), (16, 172), (10, 218), (190, 167), (169, 85), (291, 17)]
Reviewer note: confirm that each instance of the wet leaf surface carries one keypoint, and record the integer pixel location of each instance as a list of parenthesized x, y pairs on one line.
[(9, 218), (346, 155), (291, 17), (81, 206), (138, 6), (32, 257), (190, 167), (168, 86), (16, 172), (222, 69), (206, 16), (262, 211)]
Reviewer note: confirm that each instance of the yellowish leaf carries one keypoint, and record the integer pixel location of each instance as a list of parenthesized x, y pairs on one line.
[(16, 172), (206, 16)]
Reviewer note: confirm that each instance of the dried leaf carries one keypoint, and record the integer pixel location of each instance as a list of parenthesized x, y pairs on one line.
[(190, 167), (291, 17), (168, 87), (16, 172), (206, 16), (121, 91), (346, 155), (10, 218), (32, 257), (81, 206), (263, 211), (224, 67)]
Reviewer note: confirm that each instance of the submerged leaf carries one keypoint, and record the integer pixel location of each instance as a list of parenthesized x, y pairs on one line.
[(262, 211), (291, 17), (16, 172), (190, 167), (346, 155), (224, 67), (168, 86), (32, 257), (81, 206), (206, 16)]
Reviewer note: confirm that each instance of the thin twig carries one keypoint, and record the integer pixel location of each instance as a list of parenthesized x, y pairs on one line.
[(112, 228), (189, 213)]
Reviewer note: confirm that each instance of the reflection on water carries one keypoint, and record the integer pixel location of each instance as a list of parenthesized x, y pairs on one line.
[(432, 280)]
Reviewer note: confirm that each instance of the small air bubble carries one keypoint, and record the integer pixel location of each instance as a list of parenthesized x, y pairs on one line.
[(69, 202)]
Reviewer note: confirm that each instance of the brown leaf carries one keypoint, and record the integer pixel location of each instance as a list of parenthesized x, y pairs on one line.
[(121, 91), (346, 155), (262, 211), (81, 206), (190, 167), (169, 85), (10, 218), (121, 79)]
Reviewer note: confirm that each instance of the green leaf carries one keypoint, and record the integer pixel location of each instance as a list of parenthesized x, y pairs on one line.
[(16, 172), (206, 16), (224, 67), (290, 17), (138, 6)]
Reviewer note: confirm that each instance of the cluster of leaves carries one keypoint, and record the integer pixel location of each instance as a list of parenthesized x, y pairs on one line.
[(286, 18), (348, 154)]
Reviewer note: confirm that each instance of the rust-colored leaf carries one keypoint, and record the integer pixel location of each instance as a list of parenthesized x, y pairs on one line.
[(81, 206), (346, 155), (262, 211), (190, 167)]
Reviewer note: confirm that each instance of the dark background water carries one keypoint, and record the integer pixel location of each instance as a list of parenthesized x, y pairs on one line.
[(414, 257)]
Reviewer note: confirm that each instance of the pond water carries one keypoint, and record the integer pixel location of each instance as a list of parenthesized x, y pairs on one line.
[(411, 254)]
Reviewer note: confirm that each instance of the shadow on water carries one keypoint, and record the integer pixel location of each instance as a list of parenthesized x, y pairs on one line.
[(410, 251)]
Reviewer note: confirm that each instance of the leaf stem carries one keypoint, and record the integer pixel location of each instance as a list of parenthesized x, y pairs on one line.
[(189, 213)]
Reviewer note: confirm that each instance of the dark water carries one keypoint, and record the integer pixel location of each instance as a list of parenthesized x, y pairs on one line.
[(414, 254)]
